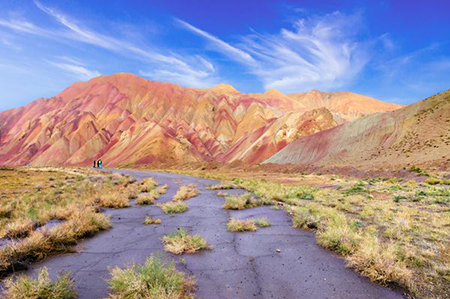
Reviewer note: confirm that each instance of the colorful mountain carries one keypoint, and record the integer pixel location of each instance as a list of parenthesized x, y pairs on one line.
[(416, 135), (126, 119)]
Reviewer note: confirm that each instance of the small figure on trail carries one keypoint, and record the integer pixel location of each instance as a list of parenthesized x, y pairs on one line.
[(95, 163), (99, 163)]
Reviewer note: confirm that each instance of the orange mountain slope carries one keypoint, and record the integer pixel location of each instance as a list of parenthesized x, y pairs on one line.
[(125, 119), (417, 135)]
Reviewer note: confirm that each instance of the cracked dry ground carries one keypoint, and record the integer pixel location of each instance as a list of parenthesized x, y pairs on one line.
[(241, 265)]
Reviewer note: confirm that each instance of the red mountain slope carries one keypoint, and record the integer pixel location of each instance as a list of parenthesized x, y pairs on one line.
[(418, 134), (124, 118)]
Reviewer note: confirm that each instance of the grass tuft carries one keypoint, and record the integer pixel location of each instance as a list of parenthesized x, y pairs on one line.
[(155, 279), (186, 192), (174, 207), (237, 225), (147, 185), (241, 202), (181, 242), (261, 222), (221, 187), (150, 220), (24, 287)]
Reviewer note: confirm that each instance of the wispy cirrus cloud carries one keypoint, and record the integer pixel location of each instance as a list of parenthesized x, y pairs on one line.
[(165, 65), (75, 68), (319, 52), (218, 44)]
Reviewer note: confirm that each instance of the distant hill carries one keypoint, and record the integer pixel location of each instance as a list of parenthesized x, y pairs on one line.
[(416, 135), (126, 119)]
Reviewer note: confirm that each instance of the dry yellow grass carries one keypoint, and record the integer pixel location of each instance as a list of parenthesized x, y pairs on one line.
[(174, 207), (156, 279), (390, 230), (237, 225), (186, 192), (151, 220), (24, 287), (33, 196), (181, 242)]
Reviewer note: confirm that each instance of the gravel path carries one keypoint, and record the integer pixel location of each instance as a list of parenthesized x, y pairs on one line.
[(242, 265)]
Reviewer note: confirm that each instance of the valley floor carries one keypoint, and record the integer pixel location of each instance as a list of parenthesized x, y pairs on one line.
[(278, 261)]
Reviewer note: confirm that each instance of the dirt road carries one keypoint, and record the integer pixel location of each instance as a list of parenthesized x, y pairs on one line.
[(242, 265)]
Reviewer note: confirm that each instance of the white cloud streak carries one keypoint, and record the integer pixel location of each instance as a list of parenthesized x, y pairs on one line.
[(218, 44), (78, 71), (192, 69), (320, 52)]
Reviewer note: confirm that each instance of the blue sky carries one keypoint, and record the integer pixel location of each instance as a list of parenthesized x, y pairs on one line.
[(398, 51)]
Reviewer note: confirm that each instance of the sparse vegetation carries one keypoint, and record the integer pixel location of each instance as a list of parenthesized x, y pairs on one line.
[(222, 194), (148, 198), (237, 225), (419, 171), (251, 224), (221, 187), (181, 242), (174, 207), (155, 279), (186, 192), (261, 222), (151, 220), (241, 202), (24, 287), (31, 197), (113, 199), (390, 230), (148, 184)]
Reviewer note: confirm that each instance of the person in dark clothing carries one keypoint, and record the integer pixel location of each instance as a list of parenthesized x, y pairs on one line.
[(95, 163)]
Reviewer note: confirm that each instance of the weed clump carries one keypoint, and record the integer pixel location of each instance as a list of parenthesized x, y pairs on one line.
[(237, 225), (151, 220), (155, 279), (24, 287), (115, 200), (174, 207), (241, 202), (261, 222), (221, 187), (148, 184), (181, 242), (186, 192), (148, 198)]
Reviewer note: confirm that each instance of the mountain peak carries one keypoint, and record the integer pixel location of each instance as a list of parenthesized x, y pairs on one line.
[(223, 88), (274, 93)]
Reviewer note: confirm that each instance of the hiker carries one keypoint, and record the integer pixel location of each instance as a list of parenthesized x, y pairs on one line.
[(95, 163), (99, 163)]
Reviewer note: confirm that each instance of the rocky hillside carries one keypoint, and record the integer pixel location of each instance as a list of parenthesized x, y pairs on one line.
[(125, 119), (416, 135)]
